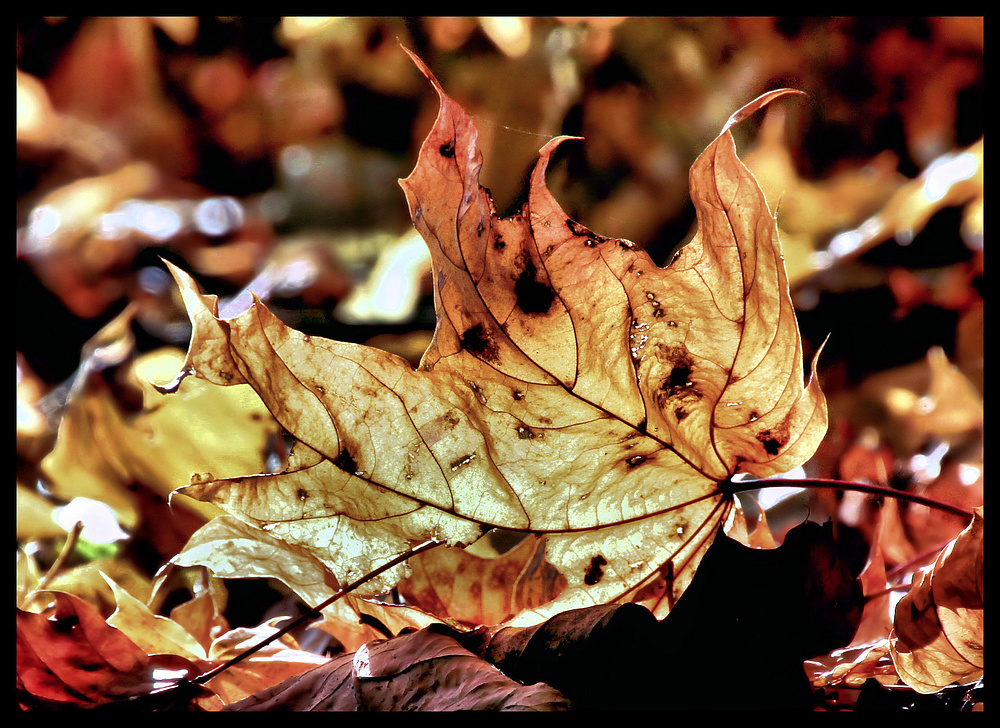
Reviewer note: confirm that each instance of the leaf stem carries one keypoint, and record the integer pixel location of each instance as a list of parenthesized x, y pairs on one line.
[(851, 485), (315, 611), (64, 554)]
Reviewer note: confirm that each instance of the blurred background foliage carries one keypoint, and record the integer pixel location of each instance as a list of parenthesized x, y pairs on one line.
[(262, 155)]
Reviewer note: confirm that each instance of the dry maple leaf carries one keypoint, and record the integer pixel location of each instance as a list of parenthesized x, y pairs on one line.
[(573, 389)]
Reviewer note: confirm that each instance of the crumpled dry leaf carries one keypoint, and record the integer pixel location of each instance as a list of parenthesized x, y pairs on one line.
[(68, 655), (572, 389), (937, 638), (953, 179), (425, 670), (950, 406), (88, 581)]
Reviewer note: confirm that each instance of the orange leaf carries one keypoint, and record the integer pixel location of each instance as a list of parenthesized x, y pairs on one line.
[(68, 655)]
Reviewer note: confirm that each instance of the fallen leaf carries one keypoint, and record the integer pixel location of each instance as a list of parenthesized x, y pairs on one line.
[(156, 634), (88, 582), (953, 179), (572, 388), (68, 655), (937, 639), (951, 405), (764, 610), (425, 670)]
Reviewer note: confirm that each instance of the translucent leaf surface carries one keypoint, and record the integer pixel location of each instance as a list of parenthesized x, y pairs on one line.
[(572, 389), (937, 638)]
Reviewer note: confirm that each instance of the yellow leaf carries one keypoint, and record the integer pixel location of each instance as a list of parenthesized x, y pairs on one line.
[(153, 633), (102, 449)]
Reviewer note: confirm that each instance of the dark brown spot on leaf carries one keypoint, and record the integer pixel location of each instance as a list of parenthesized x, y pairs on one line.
[(447, 150), (301, 494), (678, 384), (595, 572), (680, 376), (345, 461), (635, 461), (477, 340), (533, 296), (680, 413), (581, 231), (459, 463), (772, 446)]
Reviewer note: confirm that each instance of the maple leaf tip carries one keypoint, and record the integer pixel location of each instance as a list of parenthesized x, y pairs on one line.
[(422, 67), (757, 104)]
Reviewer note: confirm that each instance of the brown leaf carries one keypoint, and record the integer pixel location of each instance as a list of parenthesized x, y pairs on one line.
[(572, 388), (953, 179), (747, 611), (425, 670), (937, 638)]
